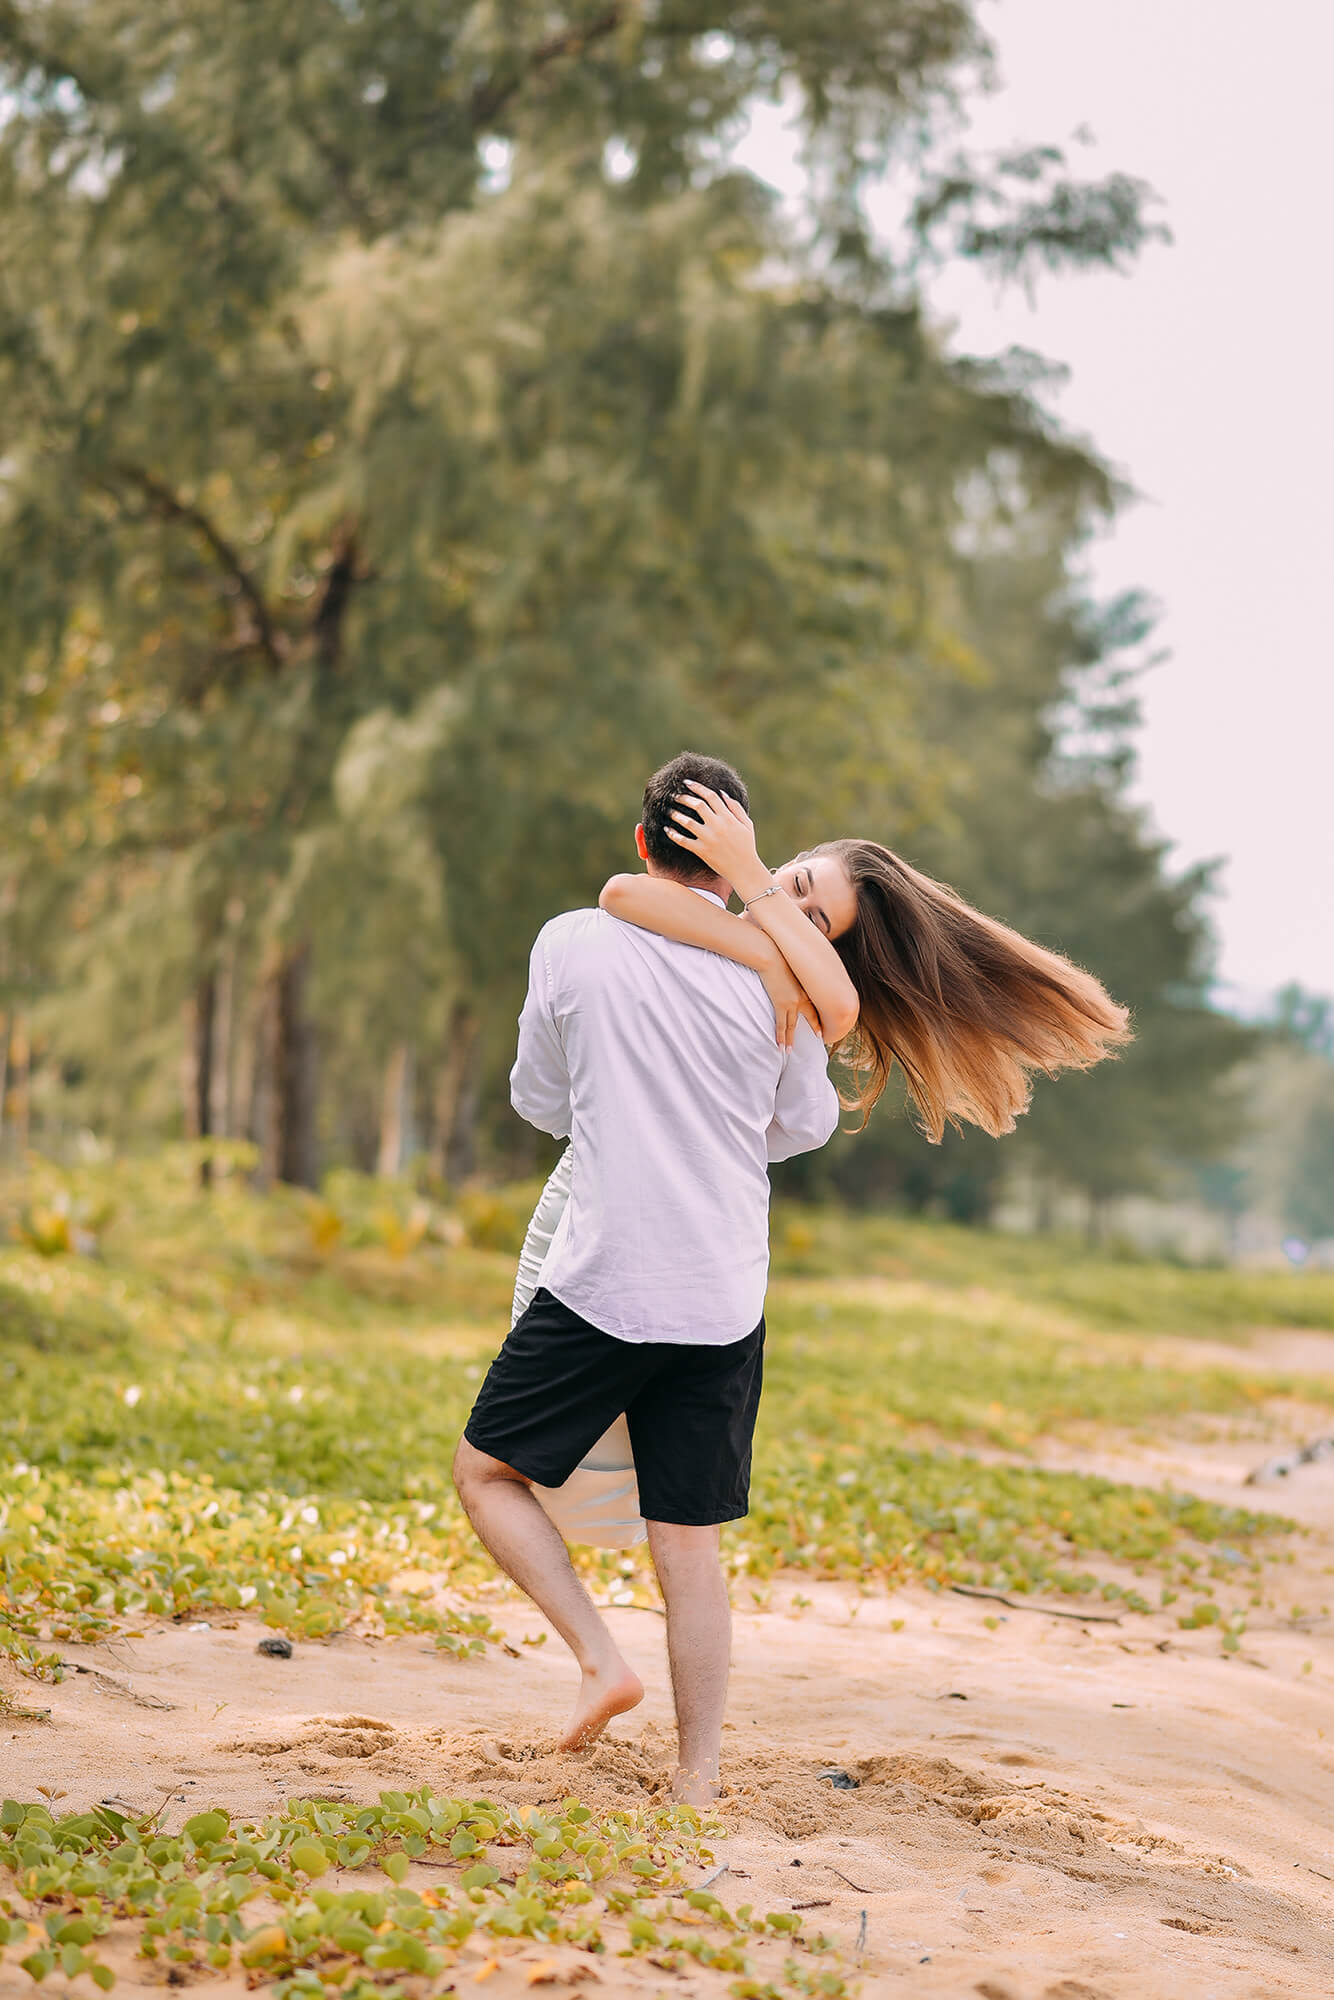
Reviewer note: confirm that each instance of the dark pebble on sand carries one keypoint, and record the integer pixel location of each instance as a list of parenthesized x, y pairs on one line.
[(842, 1781), (275, 1649)]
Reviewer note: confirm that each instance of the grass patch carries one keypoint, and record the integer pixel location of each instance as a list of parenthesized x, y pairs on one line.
[(975, 1369), (1117, 1293), (315, 1898), (51, 1317), (245, 1404)]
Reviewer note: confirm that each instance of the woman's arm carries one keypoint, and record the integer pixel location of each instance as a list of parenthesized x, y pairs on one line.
[(671, 910), (719, 830)]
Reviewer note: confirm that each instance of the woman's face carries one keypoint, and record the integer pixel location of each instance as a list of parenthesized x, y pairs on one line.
[(819, 884)]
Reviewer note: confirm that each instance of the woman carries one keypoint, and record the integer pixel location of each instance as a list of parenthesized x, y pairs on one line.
[(891, 967)]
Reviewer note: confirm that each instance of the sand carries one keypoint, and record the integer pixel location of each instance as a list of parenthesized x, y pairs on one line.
[(1044, 1809)]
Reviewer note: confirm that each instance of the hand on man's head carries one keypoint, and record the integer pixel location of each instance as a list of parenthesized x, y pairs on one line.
[(653, 836)]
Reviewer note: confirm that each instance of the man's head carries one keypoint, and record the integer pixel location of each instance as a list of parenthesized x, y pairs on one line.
[(656, 847)]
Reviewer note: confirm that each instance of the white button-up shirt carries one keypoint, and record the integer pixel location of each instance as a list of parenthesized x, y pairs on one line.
[(659, 1061)]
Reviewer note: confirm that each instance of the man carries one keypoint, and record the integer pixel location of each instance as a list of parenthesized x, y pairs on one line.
[(661, 1064)]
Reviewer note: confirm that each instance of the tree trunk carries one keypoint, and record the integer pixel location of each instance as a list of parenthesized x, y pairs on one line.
[(457, 1098), (254, 1081), (293, 1136), (461, 1153), (282, 1096), (200, 1016), (4, 1070), (395, 1111), (221, 1106)]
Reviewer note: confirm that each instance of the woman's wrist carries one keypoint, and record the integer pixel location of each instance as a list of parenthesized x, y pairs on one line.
[(752, 881)]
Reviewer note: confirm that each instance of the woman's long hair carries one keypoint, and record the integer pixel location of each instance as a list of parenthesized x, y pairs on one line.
[(965, 1007)]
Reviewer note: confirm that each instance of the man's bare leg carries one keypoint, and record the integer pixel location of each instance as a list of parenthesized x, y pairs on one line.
[(500, 1504), (699, 1649)]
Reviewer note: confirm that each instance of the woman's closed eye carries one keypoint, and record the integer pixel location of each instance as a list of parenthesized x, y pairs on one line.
[(801, 883)]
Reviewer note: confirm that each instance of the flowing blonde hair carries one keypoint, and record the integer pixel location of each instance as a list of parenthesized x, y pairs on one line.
[(966, 1007)]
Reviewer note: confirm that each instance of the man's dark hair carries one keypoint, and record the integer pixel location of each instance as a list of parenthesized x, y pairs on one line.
[(660, 803)]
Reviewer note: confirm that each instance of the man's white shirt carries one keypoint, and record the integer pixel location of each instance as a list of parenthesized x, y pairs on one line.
[(658, 1060)]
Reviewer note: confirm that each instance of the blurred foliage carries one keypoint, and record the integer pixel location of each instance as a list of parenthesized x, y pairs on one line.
[(1282, 1168), (414, 430)]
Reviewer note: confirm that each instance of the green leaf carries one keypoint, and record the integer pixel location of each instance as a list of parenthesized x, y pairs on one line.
[(310, 1856)]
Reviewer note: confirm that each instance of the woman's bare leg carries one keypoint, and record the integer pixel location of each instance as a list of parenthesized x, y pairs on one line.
[(500, 1504), (699, 1650)]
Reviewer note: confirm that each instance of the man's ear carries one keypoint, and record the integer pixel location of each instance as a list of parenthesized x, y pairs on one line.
[(640, 847)]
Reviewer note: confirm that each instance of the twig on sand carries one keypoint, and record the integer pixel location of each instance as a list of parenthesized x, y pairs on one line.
[(716, 1876), (862, 1888), (1047, 1610), (861, 1933), (1289, 1461), (820, 1903), (111, 1685), (18, 1711)]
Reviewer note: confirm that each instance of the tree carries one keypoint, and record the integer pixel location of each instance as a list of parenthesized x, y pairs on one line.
[(184, 479), (1309, 1204), (1304, 1019), (347, 388), (1035, 830)]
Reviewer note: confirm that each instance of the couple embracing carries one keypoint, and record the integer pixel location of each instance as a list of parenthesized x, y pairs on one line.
[(681, 1049)]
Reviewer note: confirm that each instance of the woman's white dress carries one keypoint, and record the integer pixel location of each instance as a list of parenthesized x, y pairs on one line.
[(599, 1502)]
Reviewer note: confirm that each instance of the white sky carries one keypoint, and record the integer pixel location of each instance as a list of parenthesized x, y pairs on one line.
[(1207, 376)]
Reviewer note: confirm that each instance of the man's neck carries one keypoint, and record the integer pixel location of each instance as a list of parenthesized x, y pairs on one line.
[(713, 885)]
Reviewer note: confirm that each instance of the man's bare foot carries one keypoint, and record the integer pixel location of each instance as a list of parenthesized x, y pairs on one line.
[(689, 1788), (602, 1693)]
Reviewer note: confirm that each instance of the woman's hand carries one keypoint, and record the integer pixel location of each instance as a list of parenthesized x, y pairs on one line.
[(789, 999), (722, 836)]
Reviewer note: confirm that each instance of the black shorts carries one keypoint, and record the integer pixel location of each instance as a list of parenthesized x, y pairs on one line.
[(558, 1383)]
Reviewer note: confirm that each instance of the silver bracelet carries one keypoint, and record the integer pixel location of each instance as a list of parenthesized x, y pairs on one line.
[(772, 890)]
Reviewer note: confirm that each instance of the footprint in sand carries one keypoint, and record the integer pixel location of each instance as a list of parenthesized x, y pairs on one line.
[(335, 1735), (351, 1743), (349, 1735)]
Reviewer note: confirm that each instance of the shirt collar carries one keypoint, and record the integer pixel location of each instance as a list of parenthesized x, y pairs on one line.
[(707, 894)]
